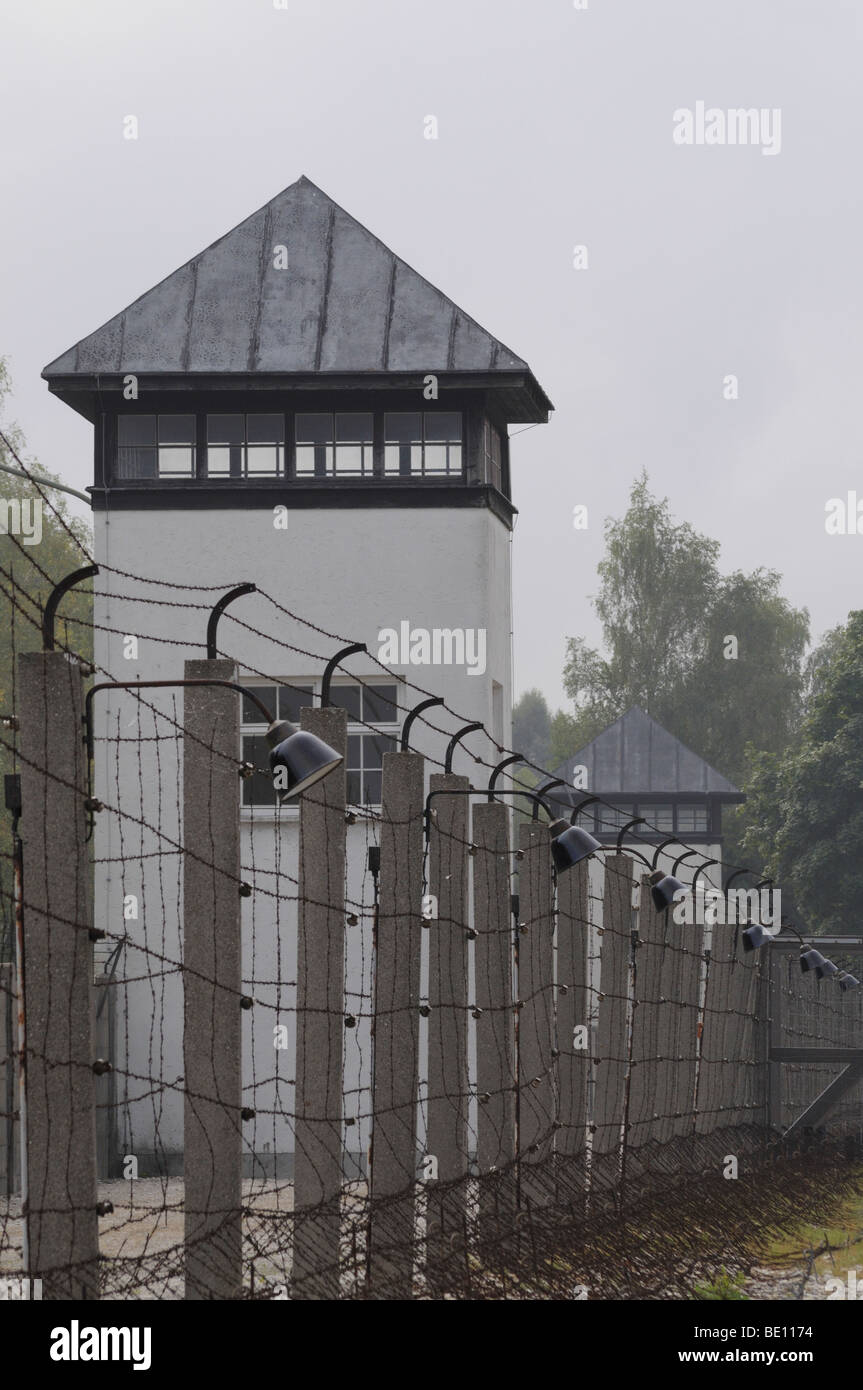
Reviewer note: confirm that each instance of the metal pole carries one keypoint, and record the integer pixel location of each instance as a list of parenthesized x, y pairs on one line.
[(18, 868)]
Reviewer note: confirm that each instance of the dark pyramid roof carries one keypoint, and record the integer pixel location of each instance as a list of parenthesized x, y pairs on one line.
[(636, 755), (345, 304)]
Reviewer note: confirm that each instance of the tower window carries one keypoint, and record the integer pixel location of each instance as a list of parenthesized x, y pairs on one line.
[(335, 446), (611, 818), (155, 446), (692, 818), (245, 446), (663, 818), (423, 443), (367, 704)]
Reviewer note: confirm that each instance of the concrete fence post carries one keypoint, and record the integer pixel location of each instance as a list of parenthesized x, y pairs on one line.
[(495, 1029), (212, 976), (650, 1046), (61, 1215), (395, 1080), (535, 948), (611, 1038), (773, 1029), (320, 1021), (715, 1076), (447, 1139), (746, 1075), (573, 1028), (689, 951)]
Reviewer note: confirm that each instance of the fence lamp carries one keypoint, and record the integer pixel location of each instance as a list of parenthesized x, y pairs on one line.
[(813, 960), (298, 759), (570, 843), (665, 887), (754, 936)]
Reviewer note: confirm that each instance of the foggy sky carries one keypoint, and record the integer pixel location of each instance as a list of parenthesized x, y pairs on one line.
[(556, 129)]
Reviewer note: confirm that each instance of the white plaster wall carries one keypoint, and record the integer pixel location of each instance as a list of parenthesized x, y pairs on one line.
[(349, 572)]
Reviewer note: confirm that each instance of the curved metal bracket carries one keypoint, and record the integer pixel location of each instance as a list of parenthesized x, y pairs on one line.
[(454, 742), (87, 716), (638, 820), (687, 854), (635, 853), (414, 714), (768, 884), (218, 610), (54, 598), (700, 870), (672, 840), (507, 762), (331, 666), (541, 793)]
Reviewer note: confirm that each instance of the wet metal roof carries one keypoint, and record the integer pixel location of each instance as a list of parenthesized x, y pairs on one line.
[(344, 305), (637, 756)]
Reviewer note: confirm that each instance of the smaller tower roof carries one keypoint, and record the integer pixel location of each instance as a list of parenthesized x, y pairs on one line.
[(635, 756)]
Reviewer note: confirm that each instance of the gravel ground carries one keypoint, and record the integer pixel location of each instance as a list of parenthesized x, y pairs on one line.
[(798, 1284), (143, 1236)]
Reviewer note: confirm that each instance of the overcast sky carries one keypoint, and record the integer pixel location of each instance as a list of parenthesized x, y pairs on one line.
[(556, 129)]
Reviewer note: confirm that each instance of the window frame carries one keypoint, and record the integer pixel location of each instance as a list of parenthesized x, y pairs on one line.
[(242, 473), (157, 446), (591, 818), (407, 474), (330, 472)]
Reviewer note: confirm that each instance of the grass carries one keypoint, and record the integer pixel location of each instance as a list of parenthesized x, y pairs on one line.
[(839, 1239), (724, 1286)]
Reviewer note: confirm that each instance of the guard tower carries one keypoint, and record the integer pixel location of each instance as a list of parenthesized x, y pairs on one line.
[(639, 769), (294, 408)]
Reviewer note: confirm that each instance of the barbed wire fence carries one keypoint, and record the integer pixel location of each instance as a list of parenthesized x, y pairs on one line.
[(541, 1075), (430, 1069)]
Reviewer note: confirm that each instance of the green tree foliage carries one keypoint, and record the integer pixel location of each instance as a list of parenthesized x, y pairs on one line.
[(566, 736), (531, 727), (805, 810), (667, 616)]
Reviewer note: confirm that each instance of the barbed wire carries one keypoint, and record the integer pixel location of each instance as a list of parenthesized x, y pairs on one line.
[(579, 1070)]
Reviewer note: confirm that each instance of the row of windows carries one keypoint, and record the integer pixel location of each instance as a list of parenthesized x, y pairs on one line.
[(326, 445), (664, 817), (365, 704)]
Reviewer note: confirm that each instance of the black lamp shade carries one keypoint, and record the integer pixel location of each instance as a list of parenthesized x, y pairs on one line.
[(572, 846), (754, 936), (847, 981), (825, 970), (305, 759), (811, 960), (663, 891)]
